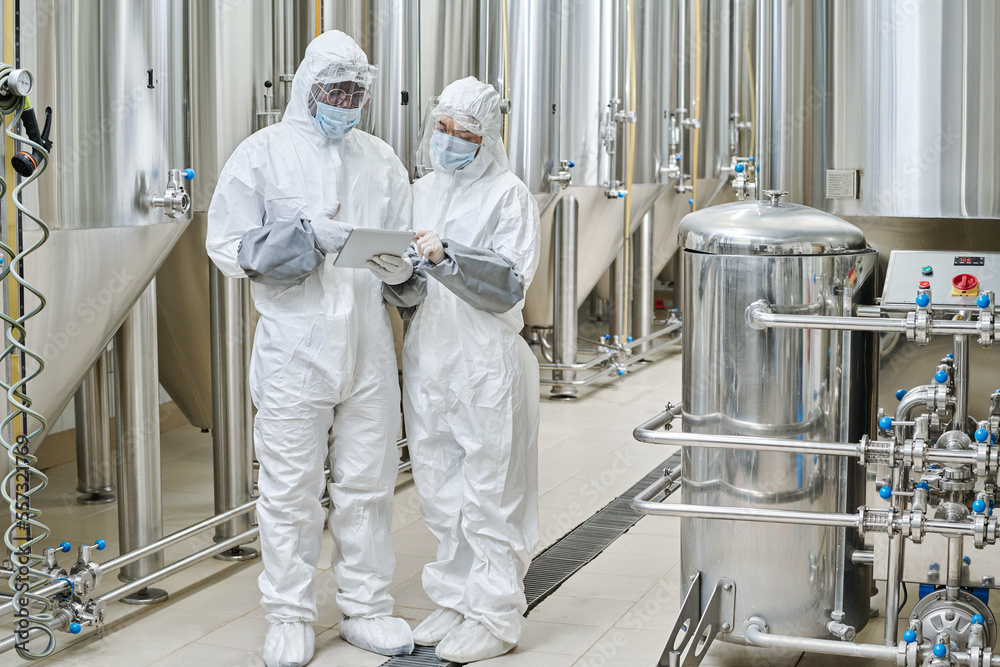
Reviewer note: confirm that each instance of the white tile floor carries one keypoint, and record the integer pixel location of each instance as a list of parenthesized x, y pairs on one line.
[(616, 611)]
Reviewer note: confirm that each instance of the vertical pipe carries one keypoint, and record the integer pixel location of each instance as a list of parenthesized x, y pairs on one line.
[(93, 436), (954, 574), (564, 294), (767, 58), (232, 415), (394, 28), (642, 290), (140, 515), (736, 79), (894, 571), (961, 383)]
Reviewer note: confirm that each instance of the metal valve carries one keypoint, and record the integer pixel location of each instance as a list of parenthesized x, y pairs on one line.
[(563, 177), (175, 201)]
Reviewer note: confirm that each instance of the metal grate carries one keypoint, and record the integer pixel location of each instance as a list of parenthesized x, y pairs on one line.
[(563, 559)]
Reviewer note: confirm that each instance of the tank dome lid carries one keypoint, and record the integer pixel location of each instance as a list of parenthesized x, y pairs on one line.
[(768, 227)]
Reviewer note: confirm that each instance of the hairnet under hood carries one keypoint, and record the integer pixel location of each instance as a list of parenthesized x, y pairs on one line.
[(333, 56), (476, 106)]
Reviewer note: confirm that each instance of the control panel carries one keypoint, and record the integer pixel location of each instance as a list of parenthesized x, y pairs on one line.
[(955, 278)]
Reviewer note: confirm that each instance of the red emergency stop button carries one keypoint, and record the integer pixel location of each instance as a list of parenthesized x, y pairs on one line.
[(964, 284), (924, 284)]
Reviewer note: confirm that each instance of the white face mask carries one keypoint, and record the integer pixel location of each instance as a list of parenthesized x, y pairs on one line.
[(334, 122), (451, 152)]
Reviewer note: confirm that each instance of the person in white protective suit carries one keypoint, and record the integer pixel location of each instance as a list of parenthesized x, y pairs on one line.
[(323, 372), (470, 382)]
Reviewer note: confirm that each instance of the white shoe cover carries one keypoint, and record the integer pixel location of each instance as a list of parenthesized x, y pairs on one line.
[(434, 628), (385, 635), (471, 641), (289, 644)]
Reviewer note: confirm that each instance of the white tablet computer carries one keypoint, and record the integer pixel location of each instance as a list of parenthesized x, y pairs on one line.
[(363, 244)]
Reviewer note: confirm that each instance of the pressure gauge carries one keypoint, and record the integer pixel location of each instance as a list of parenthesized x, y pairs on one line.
[(19, 82)]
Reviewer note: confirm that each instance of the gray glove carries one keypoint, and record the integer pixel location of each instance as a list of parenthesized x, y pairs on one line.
[(390, 269), (331, 235)]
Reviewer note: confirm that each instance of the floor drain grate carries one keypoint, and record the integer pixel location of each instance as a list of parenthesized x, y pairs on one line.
[(563, 559)]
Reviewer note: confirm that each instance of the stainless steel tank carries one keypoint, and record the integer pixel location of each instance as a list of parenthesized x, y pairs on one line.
[(888, 115), (113, 72), (806, 384)]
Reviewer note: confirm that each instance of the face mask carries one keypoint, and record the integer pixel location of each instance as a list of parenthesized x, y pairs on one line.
[(451, 152), (334, 122)]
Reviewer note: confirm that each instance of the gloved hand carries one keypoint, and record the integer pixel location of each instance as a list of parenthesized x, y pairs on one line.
[(390, 269), (430, 246), (331, 235)]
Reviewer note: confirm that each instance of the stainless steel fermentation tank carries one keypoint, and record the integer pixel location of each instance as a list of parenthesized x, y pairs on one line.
[(793, 384), (113, 73), (888, 114)]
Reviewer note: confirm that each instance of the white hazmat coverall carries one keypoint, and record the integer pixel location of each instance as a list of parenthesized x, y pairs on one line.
[(470, 382), (323, 373)]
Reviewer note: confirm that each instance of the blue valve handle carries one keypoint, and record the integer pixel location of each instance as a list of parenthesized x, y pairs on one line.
[(628, 338), (941, 377), (923, 300), (967, 560), (885, 423), (750, 158), (188, 174), (621, 372), (900, 393), (65, 547), (940, 650), (885, 492), (100, 544), (739, 168), (950, 355), (909, 636), (923, 485), (982, 435), (978, 506), (977, 619), (983, 301), (75, 628), (691, 201), (571, 164)]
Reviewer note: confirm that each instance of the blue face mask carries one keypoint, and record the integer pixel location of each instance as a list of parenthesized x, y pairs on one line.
[(334, 122), (451, 152)]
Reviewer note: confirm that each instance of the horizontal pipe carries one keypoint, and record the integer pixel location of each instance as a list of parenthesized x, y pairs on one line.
[(606, 356), (581, 366), (174, 538), (761, 318), (670, 328), (650, 432), (173, 568), (756, 636), (643, 504), (863, 557)]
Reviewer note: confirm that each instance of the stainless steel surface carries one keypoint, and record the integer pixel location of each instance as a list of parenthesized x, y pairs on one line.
[(227, 89), (763, 228), (535, 52), (92, 62), (905, 272), (774, 384), (642, 282), (389, 33), (938, 612), (894, 566), (232, 415), (960, 378), (93, 436), (140, 516), (564, 269)]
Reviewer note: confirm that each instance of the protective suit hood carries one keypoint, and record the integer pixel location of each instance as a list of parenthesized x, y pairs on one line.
[(476, 107), (333, 56)]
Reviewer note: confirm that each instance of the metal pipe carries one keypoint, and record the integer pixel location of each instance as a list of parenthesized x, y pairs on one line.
[(673, 324), (564, 339), (642, 285), (914, 398), (649, 432), (863, 557), (961, 378), (232, 412), (143, 582), (93, 436), (759, 318), (755, 635), (606, 371), (140, 515), (954, 572), (894, 569), (671, 327)]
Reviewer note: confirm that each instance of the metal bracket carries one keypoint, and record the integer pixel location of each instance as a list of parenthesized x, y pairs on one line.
[(718, 617)]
